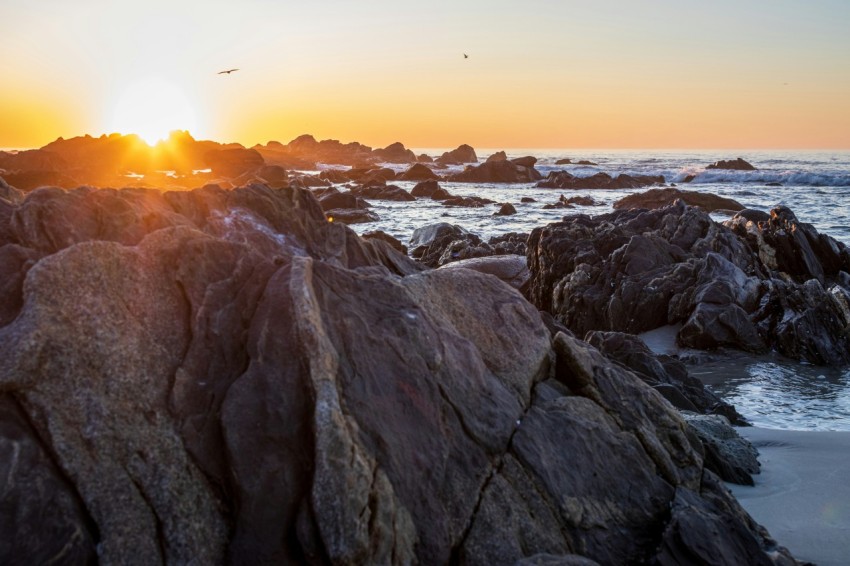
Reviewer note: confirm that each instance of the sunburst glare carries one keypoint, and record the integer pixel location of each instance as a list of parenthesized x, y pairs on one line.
[(152, 107)]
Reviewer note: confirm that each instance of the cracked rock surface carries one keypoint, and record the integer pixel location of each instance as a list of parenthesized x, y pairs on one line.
[(223, 377)]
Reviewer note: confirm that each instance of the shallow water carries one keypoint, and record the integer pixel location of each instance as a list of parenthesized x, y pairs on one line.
[(769, 391)]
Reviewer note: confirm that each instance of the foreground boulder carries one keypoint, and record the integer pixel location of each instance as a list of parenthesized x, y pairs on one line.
[(659, 198), (750, 285), (240, 381)]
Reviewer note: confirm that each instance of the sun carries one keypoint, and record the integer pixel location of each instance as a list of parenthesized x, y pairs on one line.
[(152, 108)]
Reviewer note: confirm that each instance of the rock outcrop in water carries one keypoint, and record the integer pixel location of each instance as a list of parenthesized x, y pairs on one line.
[(754, 283), (225, 377), (565, 180), (497, 172), (734, 164), (658, 198)]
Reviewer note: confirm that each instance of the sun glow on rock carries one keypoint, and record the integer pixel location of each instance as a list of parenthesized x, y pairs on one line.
[(152, 107)]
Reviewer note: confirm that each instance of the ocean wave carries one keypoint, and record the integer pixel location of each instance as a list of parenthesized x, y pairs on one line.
[(793, 178)]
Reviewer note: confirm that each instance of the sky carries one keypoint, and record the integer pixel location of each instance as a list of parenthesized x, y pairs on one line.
[(756, 74)]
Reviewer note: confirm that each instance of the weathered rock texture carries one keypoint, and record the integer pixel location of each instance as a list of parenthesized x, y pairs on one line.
[(659, 198), (772, 282), (216, 377), (565, 180)]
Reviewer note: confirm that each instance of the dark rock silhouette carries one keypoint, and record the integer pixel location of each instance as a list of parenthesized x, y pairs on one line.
[(658, 198), (735, 164), (462, 154), (418, 172), (394, 153), (727, 454), (425, 188), (507, 209), (565, 180), (496, 172), (746, 285), (233, 162), (226, 376), (498, 156)]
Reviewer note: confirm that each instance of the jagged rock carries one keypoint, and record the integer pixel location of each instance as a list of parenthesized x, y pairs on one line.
[(665, 374), (633, 271), (565, 180), (510, 268), (496, 172), (462, 154), (418, 172), (238, 380), (658, 198), (736, 164), (727, 453), (507, 209), (424, 158), (33, 160), (274, 176), (498, 156), (425, 188)]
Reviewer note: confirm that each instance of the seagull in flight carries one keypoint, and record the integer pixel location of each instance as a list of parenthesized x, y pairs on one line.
[(227, 72), (465, 56)]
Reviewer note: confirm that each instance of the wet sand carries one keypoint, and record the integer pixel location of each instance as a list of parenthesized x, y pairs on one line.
[(802, 495)]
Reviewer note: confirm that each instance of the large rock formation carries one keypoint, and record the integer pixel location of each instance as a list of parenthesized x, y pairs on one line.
[(772, 282), (225, 377), (462, 154)]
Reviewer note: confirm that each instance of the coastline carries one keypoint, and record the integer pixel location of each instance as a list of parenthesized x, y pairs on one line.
[(801, 495)]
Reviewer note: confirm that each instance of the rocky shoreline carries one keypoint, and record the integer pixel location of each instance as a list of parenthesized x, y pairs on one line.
[(230, 375)]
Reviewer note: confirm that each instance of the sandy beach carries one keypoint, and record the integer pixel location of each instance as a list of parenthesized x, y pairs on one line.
[(802, 495)]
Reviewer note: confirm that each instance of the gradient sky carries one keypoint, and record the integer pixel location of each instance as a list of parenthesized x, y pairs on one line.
[(544, 74)]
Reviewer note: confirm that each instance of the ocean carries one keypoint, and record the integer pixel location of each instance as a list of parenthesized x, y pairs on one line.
[(770, 391)]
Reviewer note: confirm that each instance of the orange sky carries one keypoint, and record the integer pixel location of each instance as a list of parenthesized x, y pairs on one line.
[(572, 74)]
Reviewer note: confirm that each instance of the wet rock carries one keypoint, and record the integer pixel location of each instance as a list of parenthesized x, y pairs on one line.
[(334, 176), (585, 162), (418, 172), (497, 172), (735, 164), (564, 161), (745, 285), (727, 453), (527, 199), (425, 188), (506, 209), (498, 156), (424, 158), (462, 154), (565, 180), (274, 176), (658, 198)]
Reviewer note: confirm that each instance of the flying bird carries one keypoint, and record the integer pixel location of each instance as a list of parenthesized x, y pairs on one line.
[(465, 56), (227, 72)]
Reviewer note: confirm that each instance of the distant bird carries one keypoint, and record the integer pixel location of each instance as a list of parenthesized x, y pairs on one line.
[(465, 56), (227, 72)]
